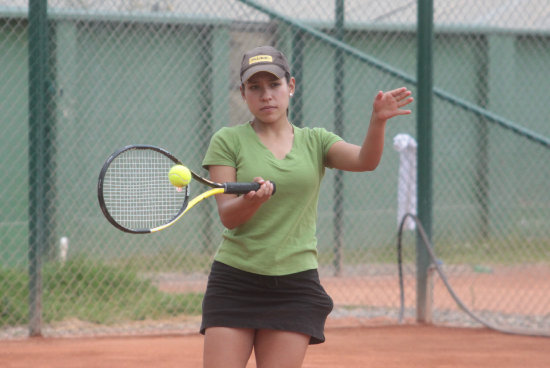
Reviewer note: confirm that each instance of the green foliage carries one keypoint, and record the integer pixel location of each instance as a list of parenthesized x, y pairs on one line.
[(14, 296), (168, 259), (90, 291)]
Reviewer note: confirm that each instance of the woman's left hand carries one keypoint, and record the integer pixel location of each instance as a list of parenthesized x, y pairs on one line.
[(389, 104)]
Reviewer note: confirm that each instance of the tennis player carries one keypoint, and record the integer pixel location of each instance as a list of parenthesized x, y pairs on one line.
[(263, 292)]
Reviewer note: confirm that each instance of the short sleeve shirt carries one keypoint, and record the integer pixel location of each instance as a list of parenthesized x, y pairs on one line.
[(280, 238)]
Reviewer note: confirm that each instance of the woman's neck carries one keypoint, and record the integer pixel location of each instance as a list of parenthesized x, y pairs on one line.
[(278, 138)]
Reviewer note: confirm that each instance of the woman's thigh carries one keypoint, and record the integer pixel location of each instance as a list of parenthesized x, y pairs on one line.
[(227, 347), (275, 348)]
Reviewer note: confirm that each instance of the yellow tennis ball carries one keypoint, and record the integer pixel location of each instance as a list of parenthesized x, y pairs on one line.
[(179, 176)]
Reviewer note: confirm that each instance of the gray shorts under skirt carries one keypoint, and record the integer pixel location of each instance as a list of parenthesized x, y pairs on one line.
[(240, 299)]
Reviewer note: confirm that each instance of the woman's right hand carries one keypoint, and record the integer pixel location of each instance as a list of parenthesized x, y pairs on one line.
[(236, 210), (262, 194)]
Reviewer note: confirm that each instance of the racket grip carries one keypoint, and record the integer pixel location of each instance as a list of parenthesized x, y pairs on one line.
[(243, 188)]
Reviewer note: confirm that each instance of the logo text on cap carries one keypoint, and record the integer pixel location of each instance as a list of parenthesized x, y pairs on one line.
[(260, 59)]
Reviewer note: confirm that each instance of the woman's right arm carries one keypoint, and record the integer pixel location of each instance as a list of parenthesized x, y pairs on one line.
[(236, 210)]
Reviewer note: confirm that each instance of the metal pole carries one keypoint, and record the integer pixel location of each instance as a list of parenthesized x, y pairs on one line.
[(482, 164), (424, 173), (298, 45), (38, 132), (338, 129), (206, 127)]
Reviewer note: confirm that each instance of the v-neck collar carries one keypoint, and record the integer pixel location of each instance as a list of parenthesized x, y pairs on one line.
[(264, 147)]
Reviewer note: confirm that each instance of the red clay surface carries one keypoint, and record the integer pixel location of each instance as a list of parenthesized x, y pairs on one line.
[(422, 346)]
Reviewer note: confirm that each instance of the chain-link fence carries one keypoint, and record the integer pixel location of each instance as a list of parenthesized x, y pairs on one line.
[(166, 73)]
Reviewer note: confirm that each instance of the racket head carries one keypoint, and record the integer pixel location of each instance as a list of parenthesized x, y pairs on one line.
[(134, 192)]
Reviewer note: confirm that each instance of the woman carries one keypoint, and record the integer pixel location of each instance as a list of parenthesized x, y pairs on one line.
[(263, 291)]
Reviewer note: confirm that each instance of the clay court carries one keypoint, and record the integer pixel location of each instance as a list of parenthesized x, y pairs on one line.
[(421, 346)]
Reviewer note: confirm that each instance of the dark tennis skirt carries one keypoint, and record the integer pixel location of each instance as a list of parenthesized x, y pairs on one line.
[(240, 299)]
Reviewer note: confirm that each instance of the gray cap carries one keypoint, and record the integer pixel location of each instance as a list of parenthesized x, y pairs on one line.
[(264, 59)]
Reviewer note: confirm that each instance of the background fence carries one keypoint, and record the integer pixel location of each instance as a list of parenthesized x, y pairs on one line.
[(166, 73)]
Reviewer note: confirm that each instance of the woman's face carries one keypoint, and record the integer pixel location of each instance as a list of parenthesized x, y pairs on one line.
[(267, 96)]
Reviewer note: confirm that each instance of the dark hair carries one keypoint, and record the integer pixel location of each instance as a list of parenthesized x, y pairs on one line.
[(287, 78)]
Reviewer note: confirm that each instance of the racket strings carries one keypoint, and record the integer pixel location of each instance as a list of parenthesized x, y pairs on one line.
[(137, 192)]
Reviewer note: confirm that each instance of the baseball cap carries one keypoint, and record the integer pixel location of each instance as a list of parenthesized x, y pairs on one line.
[(264, 59)]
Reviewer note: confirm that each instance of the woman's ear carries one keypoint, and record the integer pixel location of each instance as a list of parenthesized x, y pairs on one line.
[(292, 85)]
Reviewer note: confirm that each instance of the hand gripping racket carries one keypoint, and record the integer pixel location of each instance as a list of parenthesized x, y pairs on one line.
[(137, 197)]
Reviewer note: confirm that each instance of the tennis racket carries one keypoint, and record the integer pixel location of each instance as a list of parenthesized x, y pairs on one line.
[(136, 196)]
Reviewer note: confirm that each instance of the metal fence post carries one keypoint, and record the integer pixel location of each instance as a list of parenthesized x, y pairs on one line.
[(38, 132), (338, 129), (424, 174), (297, 112)]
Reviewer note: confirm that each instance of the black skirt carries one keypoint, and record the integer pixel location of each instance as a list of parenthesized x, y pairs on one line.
[(239, 299)]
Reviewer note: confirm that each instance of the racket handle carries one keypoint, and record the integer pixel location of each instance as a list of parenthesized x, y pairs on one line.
[(243, 188)]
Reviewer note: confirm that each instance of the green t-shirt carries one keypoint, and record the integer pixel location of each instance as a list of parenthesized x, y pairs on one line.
[(280, 238)]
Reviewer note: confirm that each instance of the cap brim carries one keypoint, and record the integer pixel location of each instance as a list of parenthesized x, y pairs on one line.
[(270, 68)]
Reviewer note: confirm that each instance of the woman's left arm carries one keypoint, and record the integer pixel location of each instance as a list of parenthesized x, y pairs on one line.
[(350, 157)]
